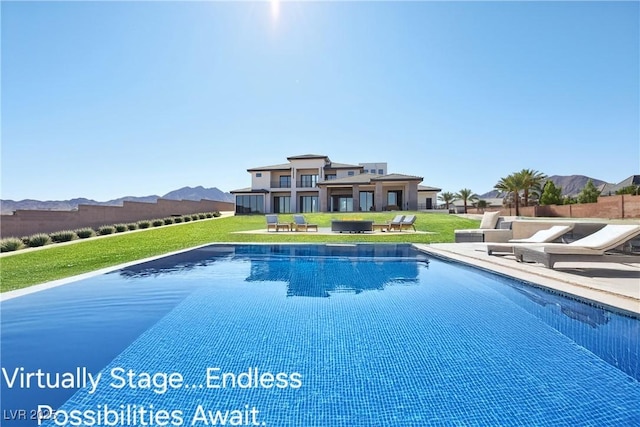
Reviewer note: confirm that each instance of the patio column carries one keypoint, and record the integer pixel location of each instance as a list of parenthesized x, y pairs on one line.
[(294, 197), (378, 197), (356, 198), (412, 196), (322, 199)]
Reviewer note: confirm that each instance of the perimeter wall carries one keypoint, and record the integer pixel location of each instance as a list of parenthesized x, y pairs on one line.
[(611, 207), (28, 222)]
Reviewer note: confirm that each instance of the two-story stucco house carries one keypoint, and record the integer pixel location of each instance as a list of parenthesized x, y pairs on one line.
[(313, 183)]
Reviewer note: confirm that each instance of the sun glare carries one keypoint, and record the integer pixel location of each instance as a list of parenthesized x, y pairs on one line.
[(275, 8)]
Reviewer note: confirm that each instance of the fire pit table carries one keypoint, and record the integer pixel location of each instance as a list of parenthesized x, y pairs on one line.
[(351, 226)]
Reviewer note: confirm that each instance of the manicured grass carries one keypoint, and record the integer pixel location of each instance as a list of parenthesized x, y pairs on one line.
[(20, 270)]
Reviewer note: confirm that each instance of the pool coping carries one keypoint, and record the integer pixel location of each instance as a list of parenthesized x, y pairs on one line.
[(594, 291)]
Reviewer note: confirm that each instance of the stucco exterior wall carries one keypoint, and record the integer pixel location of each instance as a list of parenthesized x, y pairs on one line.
[(261, 182), (27, 222)]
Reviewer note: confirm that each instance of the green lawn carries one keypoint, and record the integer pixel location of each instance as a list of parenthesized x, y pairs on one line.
[(28, 268)]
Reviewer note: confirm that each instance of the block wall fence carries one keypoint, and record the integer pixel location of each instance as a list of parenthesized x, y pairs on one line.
[(610, 207), (28, 222)]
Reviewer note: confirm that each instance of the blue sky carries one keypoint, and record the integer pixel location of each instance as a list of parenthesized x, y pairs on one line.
[(107, 99)]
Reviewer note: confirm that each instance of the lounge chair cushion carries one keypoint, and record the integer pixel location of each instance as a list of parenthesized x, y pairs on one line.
[(547, 235), (397, 219), (272, 219), (609, 237), (489, 220)]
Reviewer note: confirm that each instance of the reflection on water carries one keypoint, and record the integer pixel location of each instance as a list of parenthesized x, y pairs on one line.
[(308, 270), (590, 315)]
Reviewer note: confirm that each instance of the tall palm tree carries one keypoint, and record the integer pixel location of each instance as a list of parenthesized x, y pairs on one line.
[(447, 198), (512, 185), (532, 182), (466, 195)]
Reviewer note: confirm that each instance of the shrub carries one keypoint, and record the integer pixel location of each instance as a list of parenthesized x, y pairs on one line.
[(25, 240), (121, 228), (157, 222), (186, 218), (83, 233), (551, 195), (589, 193), (39, 239), (168, 220), (209, 215), (202, 216), (144, 224), (106, 229), (132, 226), (629, 189), (216, 214), (63, 236), (195, 217), (11, 244), (177, 219)]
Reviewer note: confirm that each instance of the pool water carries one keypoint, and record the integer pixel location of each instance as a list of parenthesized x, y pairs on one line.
[(315, 335)]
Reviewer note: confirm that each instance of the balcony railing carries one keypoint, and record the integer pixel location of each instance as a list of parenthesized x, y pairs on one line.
[(279, 184)]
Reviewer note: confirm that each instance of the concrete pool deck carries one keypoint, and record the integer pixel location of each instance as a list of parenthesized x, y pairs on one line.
[(611, 284)]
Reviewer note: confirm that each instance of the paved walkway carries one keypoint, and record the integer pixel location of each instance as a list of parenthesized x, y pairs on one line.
[(612, 284)]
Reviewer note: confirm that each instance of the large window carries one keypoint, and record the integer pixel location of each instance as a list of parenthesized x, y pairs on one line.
[(341, 204), (330, 176), (250, 204), (308, 181), (366, 200), (308, 203), (282, 204), (394, 199), (285, 181)]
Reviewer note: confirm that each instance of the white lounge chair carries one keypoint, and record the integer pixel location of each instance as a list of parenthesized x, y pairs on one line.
[(592, 248), (541, 236)]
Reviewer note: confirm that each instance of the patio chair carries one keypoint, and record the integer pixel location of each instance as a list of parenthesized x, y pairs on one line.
[(492, 228), (273, 223), (592, 248), (541, 236), (407, 222), (302, 225), (396, 223)]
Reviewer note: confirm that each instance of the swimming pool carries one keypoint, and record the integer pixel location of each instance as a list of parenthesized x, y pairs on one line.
[(315, 335)]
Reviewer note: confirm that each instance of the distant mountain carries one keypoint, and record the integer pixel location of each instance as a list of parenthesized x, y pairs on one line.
[(571, 185), (198, 193), (186, 193)]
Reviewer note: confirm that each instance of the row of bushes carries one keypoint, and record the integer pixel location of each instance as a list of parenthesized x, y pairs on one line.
[(40, 239)]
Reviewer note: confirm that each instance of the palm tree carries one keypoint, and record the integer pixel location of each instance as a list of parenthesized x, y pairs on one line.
[(466, 195), (512, 185), (447, 198), (532, 182)]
